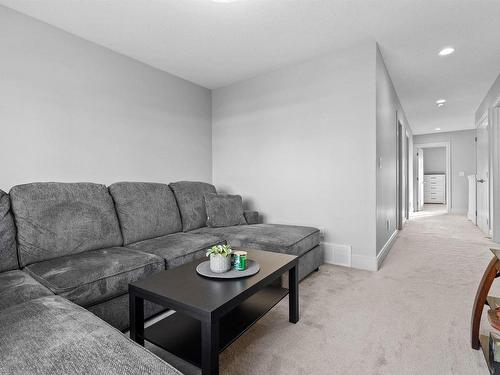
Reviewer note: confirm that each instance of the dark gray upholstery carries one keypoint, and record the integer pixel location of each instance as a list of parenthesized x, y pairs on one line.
[(17, 287), (224, 210), (252, 217), (95, 276), (289, 239), (178, 248), (191, 202), (57, 219), (115, 311), (53, 336), (308, 262), (145, 210), (8, 248)]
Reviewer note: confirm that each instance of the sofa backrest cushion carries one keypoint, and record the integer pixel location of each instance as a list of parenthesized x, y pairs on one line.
[(224, 210), (56, 219), (146, 210), (190, 198), (8, 247)]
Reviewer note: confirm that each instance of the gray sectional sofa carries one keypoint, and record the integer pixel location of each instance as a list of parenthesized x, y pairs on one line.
[(68, 250)]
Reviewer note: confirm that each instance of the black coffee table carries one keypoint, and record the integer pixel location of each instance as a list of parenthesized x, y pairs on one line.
[(210, 314)]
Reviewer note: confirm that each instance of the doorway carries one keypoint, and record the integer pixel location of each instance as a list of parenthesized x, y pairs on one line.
[(433, 178)]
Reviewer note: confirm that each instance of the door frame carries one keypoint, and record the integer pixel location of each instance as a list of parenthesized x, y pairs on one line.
[(494, 124), (446, 145), (419, 196), (406, 140), (480, 124), (399, 173)]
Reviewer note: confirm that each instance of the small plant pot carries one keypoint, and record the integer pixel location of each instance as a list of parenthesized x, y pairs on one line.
[(219, 263)]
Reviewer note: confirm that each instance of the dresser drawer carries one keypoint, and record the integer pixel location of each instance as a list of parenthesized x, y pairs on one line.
[(434, 197), (434, 188)]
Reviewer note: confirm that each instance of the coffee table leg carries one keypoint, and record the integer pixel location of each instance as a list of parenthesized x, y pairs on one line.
[(293, 294), (210, 347), (136, 313)]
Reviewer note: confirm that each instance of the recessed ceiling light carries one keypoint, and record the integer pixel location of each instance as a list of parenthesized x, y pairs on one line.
[(438, 129), (440, 103), (446, 51)]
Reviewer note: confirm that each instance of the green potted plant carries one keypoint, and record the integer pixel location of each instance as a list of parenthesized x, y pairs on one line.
[(220, 258)]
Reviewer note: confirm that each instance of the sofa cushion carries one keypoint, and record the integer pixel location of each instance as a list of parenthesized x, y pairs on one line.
[(178, 248), (95, 276), (51, 335), (57, 219), (17, 287), (145, 210), (289, 239), (191, 202), (224, 210), (8, 250)]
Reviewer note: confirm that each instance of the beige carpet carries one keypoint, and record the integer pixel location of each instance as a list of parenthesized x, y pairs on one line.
[(411, 317)]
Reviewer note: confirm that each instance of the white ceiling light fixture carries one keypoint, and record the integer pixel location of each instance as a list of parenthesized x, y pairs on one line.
[(438, 129), (446, 51), (440, 103)]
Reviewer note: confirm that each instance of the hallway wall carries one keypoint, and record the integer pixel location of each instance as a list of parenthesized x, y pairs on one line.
[(388, 112), (463, 159)]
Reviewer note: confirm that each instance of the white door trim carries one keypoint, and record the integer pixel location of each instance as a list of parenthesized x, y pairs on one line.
[(484, 123), (446, 145), (494, 138)]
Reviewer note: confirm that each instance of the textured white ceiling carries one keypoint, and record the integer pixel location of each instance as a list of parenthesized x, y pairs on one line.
[(215, 43)]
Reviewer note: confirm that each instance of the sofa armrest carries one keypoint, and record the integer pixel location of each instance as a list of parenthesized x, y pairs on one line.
[(252, 217)]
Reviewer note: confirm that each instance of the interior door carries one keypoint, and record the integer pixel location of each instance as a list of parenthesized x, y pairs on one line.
[(420, 178), (482, 177)]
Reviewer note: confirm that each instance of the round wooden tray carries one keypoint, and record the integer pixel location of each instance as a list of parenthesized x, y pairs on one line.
[(203, 269)]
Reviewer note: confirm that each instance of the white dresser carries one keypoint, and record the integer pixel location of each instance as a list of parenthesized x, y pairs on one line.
[(435, 188)]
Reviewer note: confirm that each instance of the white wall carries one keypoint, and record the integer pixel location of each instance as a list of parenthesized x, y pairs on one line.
[(299, 144), (71, 110), (463, 159), (434, 160), (388, 112), (491, 99)]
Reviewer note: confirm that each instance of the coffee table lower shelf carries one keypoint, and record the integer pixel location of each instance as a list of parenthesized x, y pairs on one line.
[(181, 335)]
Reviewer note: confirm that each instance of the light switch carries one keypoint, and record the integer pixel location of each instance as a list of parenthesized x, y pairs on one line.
[(461, 174)]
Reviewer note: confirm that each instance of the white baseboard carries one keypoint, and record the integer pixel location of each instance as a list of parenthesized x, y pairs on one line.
[(341, 255), (387, 247), (364, 262), (337, 254), (458, 211)]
